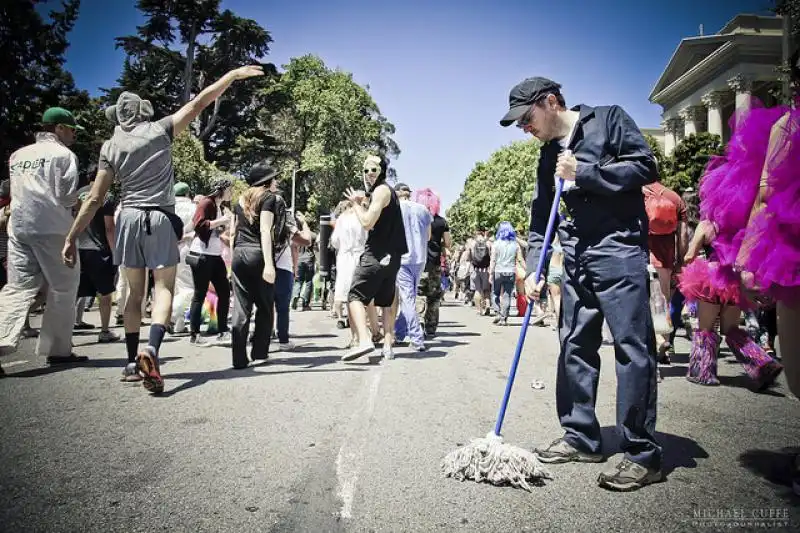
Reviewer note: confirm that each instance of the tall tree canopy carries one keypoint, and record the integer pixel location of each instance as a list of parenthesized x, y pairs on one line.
[(325, 126), (33, 75), (184, 46), (500, 189)]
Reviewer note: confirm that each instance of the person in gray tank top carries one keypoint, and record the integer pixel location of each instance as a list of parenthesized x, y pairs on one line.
[(139, 156)]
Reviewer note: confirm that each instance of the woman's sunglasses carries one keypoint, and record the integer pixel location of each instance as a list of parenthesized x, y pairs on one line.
[(373, 170)]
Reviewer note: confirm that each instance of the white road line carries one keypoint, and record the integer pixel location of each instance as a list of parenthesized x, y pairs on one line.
[(13, 363), (351, 454)]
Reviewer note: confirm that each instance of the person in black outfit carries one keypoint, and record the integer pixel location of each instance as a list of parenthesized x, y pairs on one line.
[(375, 277), (253, 264), (431, 286)]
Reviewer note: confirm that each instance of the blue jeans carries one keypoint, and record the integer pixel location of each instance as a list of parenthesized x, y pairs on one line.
[(283, 298), (407, 284), (675, 308), (503, 283)]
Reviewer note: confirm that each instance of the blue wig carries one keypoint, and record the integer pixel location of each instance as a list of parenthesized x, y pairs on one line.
[(505, 232)]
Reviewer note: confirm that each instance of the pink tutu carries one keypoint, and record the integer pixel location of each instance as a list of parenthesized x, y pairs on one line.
[(729, 185), (708, 281), (774, 234)]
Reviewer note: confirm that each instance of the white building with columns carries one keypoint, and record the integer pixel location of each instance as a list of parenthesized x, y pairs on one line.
[(709, 76)]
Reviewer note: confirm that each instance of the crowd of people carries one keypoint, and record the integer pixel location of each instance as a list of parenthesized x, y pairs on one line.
[(725, 257)]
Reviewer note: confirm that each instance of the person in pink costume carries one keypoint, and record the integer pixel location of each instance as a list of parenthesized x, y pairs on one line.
[(728, 190)]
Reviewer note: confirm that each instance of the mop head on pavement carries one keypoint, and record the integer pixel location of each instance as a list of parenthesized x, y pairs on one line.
[(489, 460)]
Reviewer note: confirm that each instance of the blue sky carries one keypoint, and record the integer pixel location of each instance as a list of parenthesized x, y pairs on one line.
[(441, 70)]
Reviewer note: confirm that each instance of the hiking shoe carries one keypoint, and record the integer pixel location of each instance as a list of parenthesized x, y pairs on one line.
[(358, 351), (197, 340), (147, 361), (627, 475), (130, 374), (107, 336), (560, 451), (286, 346), (223, 339)]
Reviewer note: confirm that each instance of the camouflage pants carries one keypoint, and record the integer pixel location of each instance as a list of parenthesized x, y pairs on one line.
[(430, 287)]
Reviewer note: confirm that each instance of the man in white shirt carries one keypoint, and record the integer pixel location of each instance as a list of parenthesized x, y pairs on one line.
[(44, 184)]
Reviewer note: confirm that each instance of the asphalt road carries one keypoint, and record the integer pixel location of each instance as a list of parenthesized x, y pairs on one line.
[(306, 443)]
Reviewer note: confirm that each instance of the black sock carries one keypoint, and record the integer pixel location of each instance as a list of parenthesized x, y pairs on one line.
[(132, 343), (157, 332)]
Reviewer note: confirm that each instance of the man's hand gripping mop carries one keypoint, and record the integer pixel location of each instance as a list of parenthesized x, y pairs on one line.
[(489, 459)]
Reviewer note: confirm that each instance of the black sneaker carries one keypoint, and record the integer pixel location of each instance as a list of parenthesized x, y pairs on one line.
[(560, 451), (627, 475)]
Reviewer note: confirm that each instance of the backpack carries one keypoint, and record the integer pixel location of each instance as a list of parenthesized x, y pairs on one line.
[(661, 212), (280, 229), (480, 254)]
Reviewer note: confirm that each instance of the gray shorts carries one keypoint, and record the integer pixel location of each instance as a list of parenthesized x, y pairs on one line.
[(136, 248)]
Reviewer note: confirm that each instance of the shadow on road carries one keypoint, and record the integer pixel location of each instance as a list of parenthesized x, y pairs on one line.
[(456, 334), (679, 452), (741, 381), (196, 379), (91, 363), (773, 466), (314, 336)]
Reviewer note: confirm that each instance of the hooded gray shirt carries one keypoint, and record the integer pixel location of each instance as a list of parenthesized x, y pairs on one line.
[(139, 154)]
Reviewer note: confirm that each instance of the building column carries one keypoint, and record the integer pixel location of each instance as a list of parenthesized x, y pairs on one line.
[(713, 101), (743, 86), (693, 118), (672, 134)]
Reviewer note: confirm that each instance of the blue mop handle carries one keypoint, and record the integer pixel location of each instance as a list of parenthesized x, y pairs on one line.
[(551, 223)]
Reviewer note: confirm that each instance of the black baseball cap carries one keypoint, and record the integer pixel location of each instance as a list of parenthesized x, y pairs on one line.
[(524, 94), (402, 187)]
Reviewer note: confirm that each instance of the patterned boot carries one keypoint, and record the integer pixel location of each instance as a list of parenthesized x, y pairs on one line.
[(703, 359), (761, 368)]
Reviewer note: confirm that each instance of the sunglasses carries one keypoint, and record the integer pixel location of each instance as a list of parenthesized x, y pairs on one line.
[(525, 119), (373, 170)]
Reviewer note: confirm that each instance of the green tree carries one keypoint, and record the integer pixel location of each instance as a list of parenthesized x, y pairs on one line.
[(325, 126), (788, 8), (33, 75), (191, 166), (657, 151), (185, 45), (500, 189), (685, 166)]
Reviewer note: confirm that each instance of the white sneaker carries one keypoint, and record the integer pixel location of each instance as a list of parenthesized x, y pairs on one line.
[(359, 351), (286, 346), (107, 336)]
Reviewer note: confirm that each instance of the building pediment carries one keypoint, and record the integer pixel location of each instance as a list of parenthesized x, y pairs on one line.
[(746, 37), (689, 53)]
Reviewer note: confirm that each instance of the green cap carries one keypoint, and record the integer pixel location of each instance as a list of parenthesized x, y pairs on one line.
[(59, 115), (181, 189)]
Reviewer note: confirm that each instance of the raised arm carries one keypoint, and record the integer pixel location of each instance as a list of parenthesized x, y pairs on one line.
[(369, 217), (185, 115)]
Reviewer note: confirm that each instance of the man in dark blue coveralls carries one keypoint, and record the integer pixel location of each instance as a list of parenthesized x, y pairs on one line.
[(604, 160)]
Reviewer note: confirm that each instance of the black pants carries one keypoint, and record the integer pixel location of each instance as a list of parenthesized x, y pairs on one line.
[(250, 288), (205, 269)]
